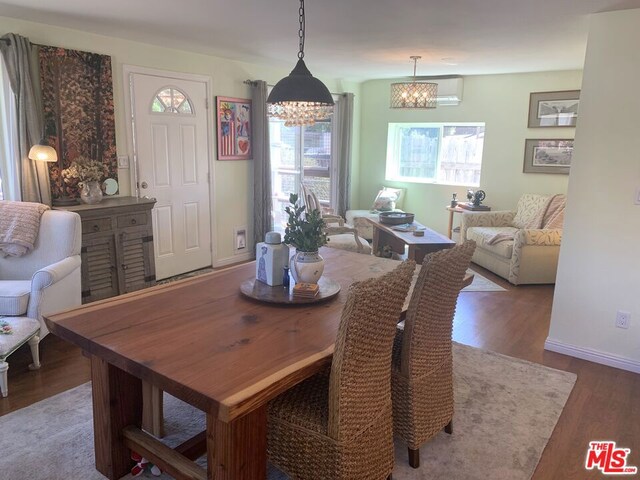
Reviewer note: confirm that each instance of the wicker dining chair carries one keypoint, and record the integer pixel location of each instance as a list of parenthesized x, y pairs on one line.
[(422, 366), (338, 424)]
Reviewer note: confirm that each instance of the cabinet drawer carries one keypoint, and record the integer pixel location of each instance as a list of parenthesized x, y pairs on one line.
[(96, 225), (132, 220)]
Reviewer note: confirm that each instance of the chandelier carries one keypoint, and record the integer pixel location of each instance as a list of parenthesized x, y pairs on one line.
[(414, 94), (300, 98)]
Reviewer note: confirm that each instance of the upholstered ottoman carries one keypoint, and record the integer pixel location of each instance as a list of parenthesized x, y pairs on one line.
[(15, 332)]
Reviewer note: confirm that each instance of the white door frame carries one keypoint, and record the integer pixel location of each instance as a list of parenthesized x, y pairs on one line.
[(127, 71)]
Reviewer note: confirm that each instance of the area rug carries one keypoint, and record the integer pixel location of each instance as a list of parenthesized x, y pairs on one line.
[(482, 284), (505, 412)]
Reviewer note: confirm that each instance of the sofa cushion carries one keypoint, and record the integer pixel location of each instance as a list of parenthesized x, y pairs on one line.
[(14, 296), (482, 235), (530, 208)]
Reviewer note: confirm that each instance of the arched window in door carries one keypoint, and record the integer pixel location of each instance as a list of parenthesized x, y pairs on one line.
[(171, 100)]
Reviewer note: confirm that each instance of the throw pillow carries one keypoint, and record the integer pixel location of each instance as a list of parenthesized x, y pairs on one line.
[(555, 221), (399, 195), (531, 208), (385, 201)]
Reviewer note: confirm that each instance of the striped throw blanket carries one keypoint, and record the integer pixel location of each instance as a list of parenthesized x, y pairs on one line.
[(551, 216), (19, 225)]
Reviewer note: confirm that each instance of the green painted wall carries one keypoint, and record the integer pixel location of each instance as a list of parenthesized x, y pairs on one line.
[(232, 180), (502, 102)]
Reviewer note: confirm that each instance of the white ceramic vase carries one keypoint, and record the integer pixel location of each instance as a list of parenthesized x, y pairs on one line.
[(306, 267)]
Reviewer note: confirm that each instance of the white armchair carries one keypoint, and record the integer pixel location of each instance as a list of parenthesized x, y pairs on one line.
[(47, 279), (341, 236), (526, 255)]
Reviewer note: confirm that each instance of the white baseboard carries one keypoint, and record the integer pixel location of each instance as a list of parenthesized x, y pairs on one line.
[(592, 355), (225, 262)]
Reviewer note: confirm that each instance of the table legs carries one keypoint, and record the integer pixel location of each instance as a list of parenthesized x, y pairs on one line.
[(235, 451), (117, 402), (152, 410), (383, 239), (238, 450)]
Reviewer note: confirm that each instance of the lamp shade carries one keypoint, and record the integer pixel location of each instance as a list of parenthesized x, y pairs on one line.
[(414, 95), (300, 98), (43, 153)]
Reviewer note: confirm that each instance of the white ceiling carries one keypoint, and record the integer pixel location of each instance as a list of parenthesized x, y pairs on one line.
[(351, 39)]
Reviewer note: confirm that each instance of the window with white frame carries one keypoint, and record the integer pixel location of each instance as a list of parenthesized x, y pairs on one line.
[(300, 155), (445, 153)]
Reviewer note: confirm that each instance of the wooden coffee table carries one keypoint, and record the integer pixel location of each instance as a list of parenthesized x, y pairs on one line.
[(432, 241)]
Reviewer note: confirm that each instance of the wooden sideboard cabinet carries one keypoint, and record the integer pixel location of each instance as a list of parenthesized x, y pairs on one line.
[(117, 246)]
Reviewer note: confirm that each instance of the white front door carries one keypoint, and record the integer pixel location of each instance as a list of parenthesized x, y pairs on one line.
[(171, 146)]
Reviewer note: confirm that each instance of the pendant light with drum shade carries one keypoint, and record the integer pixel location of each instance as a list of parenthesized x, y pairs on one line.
[(414, 94), (300, 98)]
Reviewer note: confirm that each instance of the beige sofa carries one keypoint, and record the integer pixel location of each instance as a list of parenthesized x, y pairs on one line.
[(529, 256)]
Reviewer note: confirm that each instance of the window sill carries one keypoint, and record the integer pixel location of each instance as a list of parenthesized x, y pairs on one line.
[(428, 181)]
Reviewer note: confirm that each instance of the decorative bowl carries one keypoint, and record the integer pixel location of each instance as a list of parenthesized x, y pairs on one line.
[(396, 218)]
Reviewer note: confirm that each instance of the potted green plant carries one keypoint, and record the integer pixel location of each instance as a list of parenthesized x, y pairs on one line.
[(305, 231)]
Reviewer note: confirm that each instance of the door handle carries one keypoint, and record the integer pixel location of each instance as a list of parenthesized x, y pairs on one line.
[(144, 185)]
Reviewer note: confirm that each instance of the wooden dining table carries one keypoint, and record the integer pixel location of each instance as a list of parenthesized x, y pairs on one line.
[(203, 342)]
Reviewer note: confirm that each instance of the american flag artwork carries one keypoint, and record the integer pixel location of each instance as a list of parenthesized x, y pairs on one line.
[(234, 128)]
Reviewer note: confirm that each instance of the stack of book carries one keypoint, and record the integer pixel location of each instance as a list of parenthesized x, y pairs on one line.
[(305, 290), (471, 206)]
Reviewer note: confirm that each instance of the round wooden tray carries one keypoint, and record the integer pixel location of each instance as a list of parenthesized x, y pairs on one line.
[(257, 290), (395, 218)]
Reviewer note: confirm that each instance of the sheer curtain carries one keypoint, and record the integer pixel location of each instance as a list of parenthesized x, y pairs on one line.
[(9, 176), (262, 222), (29, 179), (343, 133)]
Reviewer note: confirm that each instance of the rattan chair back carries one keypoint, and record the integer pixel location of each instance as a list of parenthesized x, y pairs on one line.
[(426, 342), (359, 387)]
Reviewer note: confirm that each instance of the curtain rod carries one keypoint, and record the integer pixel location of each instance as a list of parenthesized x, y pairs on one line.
[(253, 82), (34, 44)]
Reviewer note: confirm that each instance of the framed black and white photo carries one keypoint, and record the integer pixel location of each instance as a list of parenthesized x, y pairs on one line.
[(553, 109), (548, 156)]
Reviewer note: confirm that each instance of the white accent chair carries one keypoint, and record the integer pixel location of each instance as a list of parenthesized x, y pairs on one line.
[(341, 236), (45, 280)]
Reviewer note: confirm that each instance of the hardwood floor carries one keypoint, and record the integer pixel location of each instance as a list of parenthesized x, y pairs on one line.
[(604, 405)]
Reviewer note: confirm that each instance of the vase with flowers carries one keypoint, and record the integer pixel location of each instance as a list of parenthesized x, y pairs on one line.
[(87, 176), (305, 231)]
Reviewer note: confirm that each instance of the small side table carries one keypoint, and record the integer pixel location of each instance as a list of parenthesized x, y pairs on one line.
[(453, 210)]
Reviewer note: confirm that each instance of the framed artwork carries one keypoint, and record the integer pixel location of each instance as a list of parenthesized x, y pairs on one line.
[(553, 109), (234, 128), (548, 156), (79, 120)]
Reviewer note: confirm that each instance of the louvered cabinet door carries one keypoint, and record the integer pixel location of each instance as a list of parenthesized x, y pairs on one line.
[(117, 246), (99, 272), (135, 255)]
